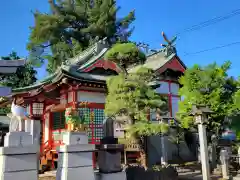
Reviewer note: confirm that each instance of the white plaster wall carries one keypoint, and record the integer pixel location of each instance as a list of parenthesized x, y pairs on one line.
[(175, 101), (164, 88), (46, 127), (174, 88), (92, 97), (70, 97), (63, 100)]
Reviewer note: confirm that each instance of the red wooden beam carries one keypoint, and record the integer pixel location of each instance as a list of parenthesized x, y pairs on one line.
[(101, 63)]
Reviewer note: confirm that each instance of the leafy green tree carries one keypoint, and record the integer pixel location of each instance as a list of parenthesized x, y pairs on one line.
[(24, 76), (72, 26), (237, 96), (235, 118), (210, 86)]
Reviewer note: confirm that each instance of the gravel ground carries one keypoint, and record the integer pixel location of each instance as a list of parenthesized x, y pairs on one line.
[(50, 175), (47, 178)]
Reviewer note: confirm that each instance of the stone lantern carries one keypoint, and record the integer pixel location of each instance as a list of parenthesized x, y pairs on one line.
[(200, 114)]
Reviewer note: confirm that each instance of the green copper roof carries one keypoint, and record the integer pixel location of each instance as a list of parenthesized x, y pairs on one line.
[(93, 59), (154, 61), (68, 70), (73, 67), (88, 54), (64, 71)]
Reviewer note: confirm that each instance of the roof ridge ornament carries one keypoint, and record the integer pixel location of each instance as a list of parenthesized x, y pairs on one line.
[(169, 47)]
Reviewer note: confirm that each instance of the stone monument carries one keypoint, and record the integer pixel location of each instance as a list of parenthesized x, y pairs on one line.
[(75, 157), (224, 157), (109, 160), (18, 157)]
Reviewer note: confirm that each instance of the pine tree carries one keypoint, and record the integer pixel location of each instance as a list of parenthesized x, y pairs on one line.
[(210, 86), (24, 76), (12, 56), (125, 54), (73, 25), (130, 96)]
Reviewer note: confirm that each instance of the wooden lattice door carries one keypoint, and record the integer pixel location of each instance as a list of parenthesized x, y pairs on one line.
[(94, 118)]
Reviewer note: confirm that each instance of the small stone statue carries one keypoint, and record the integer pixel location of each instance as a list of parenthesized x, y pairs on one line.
[(18, 115)]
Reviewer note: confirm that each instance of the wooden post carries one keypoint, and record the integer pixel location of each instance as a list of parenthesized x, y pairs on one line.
[(125, 157), (213, 152)]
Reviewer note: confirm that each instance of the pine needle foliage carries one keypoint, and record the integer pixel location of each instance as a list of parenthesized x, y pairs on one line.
[(130, 95), (125, 54), (74, 25), (24, 76)]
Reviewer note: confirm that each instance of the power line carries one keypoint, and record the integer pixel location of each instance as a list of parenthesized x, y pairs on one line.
[(214, 48), (210, 22)]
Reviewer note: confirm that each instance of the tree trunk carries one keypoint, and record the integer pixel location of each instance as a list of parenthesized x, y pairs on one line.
[(143, 156)]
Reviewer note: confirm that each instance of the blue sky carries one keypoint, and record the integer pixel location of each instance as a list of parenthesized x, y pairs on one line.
[(152, 17)]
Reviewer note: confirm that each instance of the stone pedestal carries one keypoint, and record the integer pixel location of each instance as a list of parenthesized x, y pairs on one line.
[(225, 163), (75, 158), (111, 176), (17, 139), (204, 151), (33, 127), (109, 158), (18, 157)]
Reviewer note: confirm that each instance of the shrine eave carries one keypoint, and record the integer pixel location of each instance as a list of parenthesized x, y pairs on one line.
[(159, 63), (12, 63), (54, 80), (174, 64)]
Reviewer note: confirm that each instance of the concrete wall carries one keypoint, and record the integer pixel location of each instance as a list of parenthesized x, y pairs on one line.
[(154, 151)]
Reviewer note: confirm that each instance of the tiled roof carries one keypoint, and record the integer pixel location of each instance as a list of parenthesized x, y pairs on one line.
[(155, 61), (5, 91), (12, 63), (74, 66)]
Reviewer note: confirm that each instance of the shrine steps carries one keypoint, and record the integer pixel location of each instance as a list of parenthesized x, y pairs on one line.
[(48, 161)]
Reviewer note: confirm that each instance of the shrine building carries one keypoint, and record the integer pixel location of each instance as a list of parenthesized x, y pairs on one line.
[(83, 79)]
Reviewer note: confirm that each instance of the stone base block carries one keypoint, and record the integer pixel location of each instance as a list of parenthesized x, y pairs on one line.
[(14, 163), (17, 139), (76, 159), (22, 175), (74, 138), (111, 176), (19, 163), (77, 173)]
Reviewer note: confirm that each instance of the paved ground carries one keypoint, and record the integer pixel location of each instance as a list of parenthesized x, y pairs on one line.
[(47, 178), (194, 176), (50, 175), (184, 175)]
